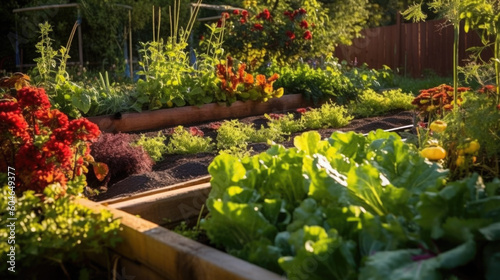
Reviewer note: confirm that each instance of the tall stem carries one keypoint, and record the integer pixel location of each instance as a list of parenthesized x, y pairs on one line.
[(456, 27), (497, 65)]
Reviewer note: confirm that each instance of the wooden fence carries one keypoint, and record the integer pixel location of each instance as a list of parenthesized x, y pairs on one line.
[(411, 48)]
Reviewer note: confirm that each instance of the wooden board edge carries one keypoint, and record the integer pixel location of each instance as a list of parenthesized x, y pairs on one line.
[(174, 256), (177, 186)]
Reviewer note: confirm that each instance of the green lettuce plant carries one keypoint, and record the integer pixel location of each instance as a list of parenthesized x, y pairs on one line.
[(356, 207)]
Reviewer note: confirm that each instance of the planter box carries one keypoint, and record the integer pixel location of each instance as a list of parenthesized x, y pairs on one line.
[(150, 251), (187, 115)]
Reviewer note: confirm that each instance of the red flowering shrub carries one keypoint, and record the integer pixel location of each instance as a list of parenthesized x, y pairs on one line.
[(264, 37), (43, 145)]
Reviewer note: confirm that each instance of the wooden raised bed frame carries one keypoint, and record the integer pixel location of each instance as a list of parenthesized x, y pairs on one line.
[(150, 251), (148, 120)]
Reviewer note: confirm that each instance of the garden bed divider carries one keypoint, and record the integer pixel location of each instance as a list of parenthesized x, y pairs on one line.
[(149, 251), (187, 115)]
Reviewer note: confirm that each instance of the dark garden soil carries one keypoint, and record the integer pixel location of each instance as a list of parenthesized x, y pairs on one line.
[(178, 168)]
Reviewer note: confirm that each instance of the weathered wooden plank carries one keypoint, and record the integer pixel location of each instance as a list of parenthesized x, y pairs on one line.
[(168, 207), (181, 185), (192, 114), (173, 256)]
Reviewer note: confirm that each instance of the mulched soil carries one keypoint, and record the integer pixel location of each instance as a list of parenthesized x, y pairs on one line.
[(178, 168)]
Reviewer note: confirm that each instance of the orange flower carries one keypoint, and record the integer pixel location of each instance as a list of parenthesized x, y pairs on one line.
[(273, 78), (249, 80), (261, 80)]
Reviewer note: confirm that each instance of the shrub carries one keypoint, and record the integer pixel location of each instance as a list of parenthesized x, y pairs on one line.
[(124, 159), (154, 146), (43, 145), (192, 142)]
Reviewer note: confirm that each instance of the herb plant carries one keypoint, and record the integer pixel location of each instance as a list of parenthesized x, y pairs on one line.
[(370, 103), (328, 115), (286, 124), (154, 146), (184, 142)]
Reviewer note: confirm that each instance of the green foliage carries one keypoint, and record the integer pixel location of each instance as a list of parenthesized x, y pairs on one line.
[(413, 86), (328, 115), (363, 77), (165, 66), (414, 12), (234, 134), (154, 146), (370, 103), (183, 142), (286, 124), (315, 84), (478, 119), (345, 200), (53, 232)]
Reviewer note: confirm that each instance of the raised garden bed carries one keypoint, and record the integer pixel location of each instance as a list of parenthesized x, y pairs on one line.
[(174, 169), (148, 120), (150, 251)]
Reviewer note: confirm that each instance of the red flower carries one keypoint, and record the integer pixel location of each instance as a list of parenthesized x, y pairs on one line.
[(290, 34), (236, 12), (196, 131), (302, 11), (243, 20), (244, 13), (265, 14), (258, 26), (214, 125), (33, 97), (60, 150), (52, 118), (308, 35), (301, 110), (82, 129), (487, 89), (304, 24), (498, 107), (225, 15), (15, 124), (276, 116)]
